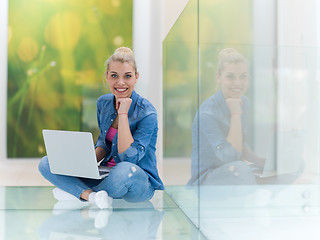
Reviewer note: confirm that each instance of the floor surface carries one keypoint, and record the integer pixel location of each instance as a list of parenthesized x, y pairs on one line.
[(254, 212), (33, 213), (268, 211)]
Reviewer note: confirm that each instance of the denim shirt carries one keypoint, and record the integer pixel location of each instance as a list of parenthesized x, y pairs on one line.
[(210, 128), (144, 128)]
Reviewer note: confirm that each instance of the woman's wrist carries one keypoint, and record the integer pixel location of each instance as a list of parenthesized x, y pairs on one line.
[(123, 113)]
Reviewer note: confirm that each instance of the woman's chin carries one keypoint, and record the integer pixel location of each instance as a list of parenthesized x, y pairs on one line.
[(235, 95), (122, 95)]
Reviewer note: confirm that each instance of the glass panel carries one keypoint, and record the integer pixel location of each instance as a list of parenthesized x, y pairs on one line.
[(180, 74), (56, 66), (258, 122)]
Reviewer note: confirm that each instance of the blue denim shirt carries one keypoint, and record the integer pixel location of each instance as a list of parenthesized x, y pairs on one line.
[(144, 128), (210, 128)]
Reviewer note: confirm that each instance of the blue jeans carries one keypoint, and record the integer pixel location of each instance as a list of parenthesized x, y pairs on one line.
[(231, 173), (125, 181)]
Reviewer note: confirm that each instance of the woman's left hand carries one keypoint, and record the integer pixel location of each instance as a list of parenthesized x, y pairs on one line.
[(123, 105)]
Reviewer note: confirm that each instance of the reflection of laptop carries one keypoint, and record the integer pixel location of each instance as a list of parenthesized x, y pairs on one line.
[(72, 153), (285, 156)]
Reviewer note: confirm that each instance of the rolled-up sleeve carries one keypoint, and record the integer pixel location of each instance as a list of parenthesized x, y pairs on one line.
[(213, 133), (101, 141), (227, 153), (145, 131)]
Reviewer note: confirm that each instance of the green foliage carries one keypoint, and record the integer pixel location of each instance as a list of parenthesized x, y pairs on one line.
[(56, 60)]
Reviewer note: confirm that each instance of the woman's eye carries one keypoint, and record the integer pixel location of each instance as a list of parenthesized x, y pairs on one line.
[(230, 77), (243, 77), (128, 76), (114, 75)]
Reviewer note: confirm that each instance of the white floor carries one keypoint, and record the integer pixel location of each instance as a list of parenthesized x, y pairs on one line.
[(21, 173), (29, 211), (252, 212), (32, 213), (173, 171), (242, 212)]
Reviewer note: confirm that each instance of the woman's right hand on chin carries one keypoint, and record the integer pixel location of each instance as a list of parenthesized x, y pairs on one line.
[(234, 105), (123, 105)]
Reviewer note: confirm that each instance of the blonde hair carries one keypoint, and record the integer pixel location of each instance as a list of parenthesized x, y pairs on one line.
[(123, 55), (229, 55)]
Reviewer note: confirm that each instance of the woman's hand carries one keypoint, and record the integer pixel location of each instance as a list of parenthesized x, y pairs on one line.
[(100, 153), (123, 105), (252, 158), (125, 138), (234, 105), (235, 131)]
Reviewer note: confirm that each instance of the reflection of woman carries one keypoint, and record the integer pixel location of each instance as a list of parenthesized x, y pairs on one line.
[(127, 223), (128, 135), (220, 128)]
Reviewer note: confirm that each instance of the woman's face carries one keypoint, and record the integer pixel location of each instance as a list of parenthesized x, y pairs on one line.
[(234, 79), (121, 78)]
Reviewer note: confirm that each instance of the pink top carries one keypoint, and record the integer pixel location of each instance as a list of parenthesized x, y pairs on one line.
[(110, 135)]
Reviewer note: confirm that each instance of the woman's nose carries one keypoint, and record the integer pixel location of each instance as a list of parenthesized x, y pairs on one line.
[(121, 80), (237, 81)]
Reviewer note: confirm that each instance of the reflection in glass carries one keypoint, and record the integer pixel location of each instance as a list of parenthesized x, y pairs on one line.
[(220, 129), (90, 223)]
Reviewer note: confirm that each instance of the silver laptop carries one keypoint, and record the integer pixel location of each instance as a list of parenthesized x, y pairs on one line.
[(73, 154), (286, 157)]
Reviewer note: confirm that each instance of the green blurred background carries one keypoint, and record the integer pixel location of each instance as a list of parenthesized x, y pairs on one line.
[(190, 53), (56, 55)]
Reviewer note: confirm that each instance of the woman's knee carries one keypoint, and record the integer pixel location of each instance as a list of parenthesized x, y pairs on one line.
[(232, 173), (44, 165), (125, 165), (125, 170), (125, 176), (139, 195), (240, 167)]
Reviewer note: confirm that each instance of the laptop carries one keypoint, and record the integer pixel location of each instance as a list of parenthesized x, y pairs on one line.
[(286, 156), (73, 154)]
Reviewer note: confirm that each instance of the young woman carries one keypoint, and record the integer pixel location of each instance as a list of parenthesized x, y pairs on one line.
[(219, 152), (128, 134)]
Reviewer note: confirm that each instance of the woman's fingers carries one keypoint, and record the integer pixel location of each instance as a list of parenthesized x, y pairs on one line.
[(123, 105), (234, 105)]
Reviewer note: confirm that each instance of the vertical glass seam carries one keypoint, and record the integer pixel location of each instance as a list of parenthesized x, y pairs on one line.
[(276, 83), (198, 102)]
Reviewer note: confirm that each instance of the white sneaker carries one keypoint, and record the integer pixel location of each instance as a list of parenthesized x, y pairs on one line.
[(101, 199)]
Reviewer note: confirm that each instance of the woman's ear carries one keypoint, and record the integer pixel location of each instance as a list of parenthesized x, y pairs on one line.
[(218, 78), (137, 76)]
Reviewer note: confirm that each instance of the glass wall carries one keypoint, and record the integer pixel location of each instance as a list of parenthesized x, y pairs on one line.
[(252, 143), (180, 73), (56, 54)]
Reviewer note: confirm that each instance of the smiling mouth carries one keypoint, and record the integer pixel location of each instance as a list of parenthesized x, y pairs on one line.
[(121, 90), (236, 90)]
